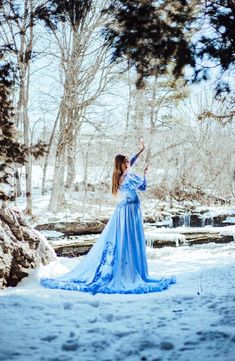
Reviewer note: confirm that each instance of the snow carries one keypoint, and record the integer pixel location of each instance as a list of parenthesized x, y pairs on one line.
[(193, 319), (162, 236), (217, 211), (227, 231), (51, 234), (166, 233), (229, 220)]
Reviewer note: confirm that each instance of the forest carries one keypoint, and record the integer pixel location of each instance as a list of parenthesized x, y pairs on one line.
[(82, 81), (76, 93)]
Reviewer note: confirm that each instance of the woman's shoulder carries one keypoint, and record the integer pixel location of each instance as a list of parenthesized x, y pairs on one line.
[(130, 178), (125, 178)]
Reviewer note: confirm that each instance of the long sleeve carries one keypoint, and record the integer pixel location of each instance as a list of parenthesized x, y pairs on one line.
[(143, 186), (133, 160), (136, 182)]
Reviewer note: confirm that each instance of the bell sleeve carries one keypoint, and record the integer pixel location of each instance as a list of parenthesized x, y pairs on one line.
[(137, 182), (133, 160)]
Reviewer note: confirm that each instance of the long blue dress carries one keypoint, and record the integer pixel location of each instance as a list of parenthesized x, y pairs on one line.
[(117, 262)]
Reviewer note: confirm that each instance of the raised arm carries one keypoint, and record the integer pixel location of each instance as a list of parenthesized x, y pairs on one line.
[(136, 182), (143, 186), (142, 147)]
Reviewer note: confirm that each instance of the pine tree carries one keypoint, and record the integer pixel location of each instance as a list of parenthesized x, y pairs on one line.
[(11, 151), (17, 24), (150, 34), (54, 11), (21, 247), (218, 45)]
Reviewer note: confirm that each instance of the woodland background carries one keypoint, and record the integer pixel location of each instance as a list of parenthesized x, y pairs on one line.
[(82, 80)]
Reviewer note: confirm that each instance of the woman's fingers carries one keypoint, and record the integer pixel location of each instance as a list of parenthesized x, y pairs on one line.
[(146, 168), (141, 143)]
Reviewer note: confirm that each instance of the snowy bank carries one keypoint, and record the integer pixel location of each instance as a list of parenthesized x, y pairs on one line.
[(193, 319)]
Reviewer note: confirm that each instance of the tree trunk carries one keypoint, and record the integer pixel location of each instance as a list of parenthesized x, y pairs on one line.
[(139, 110), (69, 117), (74, 112), (85, 177), (48, 153), (28, 174), (28, 165), (71, 160), (22, 108), (26, 46), (152, 120), (17, 183), (128, 111), (80, 91), (58, 192)]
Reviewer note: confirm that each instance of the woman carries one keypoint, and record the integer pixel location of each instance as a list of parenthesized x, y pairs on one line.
[(117, 262)]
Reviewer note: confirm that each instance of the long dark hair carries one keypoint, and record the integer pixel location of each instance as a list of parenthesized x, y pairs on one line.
[(117, 172)]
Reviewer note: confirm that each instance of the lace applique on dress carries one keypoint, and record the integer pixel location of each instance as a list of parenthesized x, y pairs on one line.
[(105, 269)]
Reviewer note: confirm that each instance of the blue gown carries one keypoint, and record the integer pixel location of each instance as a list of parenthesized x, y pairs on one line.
[(117, 262)]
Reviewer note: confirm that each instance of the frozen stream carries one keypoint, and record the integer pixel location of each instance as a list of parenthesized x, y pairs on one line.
[(192, 320)]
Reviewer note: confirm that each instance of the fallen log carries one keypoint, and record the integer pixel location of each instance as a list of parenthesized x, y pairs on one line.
[(73, 249), (184, 237), (156, 239), (73, 228)]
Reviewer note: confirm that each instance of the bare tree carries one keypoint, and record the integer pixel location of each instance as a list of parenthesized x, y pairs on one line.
[(18, 34), (86, 73)]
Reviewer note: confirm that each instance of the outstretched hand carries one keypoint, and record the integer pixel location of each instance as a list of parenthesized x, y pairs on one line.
[(146, 169), (142, 146)]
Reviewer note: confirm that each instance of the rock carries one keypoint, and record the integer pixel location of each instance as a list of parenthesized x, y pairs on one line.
[(201, 238), (159, 243), (67, 306), (173, 238), (73, 249), (229, 221), (94, 303), (108, 317), (187, 219), (195, 220), (21, 248), (149, 219), (70, 345), (233, 338), (74, 228), (166, 345), (219, 220), (177, 221), (49, 338)]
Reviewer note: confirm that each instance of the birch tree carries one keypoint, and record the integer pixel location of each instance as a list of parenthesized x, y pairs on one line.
[(85, 74), (18, 20)]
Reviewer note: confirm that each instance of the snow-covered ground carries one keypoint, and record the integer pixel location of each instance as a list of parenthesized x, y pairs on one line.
[(192, 320)]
